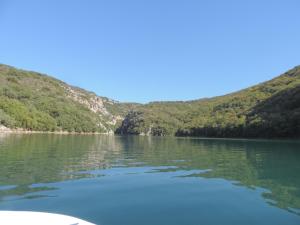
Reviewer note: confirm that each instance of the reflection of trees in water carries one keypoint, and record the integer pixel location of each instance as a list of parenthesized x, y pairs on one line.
[(34, 159), (273, 165), (41, 158)]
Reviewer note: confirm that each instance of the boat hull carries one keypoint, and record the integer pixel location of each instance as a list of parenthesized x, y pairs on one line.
[(38, 218)]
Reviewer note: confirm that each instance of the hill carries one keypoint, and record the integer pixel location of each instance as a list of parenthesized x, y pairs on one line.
[(269, 109), (34, 101)]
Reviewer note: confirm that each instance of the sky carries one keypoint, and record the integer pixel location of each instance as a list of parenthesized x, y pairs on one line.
[(152, 50)]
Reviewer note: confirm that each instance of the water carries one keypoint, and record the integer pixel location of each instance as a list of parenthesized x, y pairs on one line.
[(152, 181)]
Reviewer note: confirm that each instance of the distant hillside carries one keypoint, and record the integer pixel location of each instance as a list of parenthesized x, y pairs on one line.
[(34, 101), (270, 109)]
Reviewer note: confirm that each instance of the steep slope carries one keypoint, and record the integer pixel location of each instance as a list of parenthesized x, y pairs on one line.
[(270, 109), (34, 101), (277, 116)]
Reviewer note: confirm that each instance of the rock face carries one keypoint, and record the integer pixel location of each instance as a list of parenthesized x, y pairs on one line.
[(4, 129), (132, 123), (97, 105), (93, 102)]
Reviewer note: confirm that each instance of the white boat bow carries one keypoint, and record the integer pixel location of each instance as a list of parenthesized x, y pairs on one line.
[(38, 218)]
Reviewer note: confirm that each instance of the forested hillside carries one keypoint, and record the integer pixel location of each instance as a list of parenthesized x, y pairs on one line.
[(33, 101), (270, 109)]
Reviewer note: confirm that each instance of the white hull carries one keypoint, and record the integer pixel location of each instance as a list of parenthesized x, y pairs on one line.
[(38, 218)]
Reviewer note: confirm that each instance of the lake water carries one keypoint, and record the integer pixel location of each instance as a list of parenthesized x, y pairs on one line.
[(152, 181)]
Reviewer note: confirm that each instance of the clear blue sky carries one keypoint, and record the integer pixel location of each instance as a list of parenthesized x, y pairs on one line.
[(145, 50)]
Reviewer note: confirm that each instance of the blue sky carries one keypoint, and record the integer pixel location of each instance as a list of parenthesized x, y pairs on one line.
[(146, 50)]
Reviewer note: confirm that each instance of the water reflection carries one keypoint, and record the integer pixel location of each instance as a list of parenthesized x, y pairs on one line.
[(30, 163)]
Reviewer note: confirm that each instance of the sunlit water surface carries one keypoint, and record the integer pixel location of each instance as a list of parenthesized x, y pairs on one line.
[(152, 181)]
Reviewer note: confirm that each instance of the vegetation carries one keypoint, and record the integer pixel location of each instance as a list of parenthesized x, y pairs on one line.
[(270, 109), (34, 101)]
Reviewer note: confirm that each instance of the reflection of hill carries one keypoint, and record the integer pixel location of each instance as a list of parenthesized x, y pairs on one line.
[(272, 165), (38, 159), (30, 159)]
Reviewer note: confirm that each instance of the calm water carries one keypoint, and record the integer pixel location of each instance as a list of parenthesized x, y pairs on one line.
[(152, 181)]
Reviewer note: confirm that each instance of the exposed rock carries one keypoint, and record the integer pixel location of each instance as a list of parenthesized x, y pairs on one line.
[(96, 104), (4, 129), (93, 102)]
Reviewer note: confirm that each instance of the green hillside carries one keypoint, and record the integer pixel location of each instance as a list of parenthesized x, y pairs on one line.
[(38, 102), (270, 109), (33, 101)]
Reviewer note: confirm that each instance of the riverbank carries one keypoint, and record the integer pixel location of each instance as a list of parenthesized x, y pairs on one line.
[(7, 130)]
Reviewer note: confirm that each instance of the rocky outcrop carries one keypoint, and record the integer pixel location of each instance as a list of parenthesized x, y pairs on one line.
[(4, 129), (93, 102), (96, 104)]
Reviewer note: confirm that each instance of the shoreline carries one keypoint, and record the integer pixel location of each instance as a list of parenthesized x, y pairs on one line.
[(6, 130), (55, 132)]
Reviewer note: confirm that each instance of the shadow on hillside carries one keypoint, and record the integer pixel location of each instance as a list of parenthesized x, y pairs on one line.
[(278, 116)]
